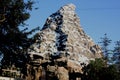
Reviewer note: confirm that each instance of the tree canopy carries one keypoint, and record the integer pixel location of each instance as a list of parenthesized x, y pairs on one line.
[(13, 40), (98, 70)]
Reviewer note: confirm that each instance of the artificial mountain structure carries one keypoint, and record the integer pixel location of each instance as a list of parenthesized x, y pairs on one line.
[(61, 49)]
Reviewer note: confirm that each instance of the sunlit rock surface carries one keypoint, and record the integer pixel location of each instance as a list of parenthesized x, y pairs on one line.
[(63, 42)]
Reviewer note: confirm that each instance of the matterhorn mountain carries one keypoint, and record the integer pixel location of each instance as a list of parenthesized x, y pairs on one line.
[(62, 47)]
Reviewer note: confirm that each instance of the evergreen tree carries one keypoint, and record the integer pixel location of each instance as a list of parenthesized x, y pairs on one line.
[(98, 70), (105, 42), (116, 56), (117, 47), (14, 41)]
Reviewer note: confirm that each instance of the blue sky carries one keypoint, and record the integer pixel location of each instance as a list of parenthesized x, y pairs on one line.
[(97, 17)]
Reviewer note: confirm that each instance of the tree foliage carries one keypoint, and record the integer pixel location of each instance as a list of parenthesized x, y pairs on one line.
[(117, 47), (14, 41), (116, 55), (112, 56), (98, 70), (105, 42)]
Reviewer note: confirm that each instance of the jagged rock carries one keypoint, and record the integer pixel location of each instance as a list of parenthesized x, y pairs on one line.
[(73, 67), (51, 72), (57, 73), (62, 40), (33, 73), (62, 32), (62, 73)]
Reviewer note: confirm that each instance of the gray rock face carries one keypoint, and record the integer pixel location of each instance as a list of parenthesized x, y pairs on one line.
[(62, 37)]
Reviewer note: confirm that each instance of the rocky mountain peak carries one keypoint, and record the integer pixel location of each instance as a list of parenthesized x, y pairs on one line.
[(62, 33), (68, 7), (58, 18), (63, 42)]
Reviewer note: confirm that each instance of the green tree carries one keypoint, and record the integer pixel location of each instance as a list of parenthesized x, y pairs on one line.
[(117, 47), (116, 55), (98, 70), (91, 71), (105, 42), (14, 41)]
